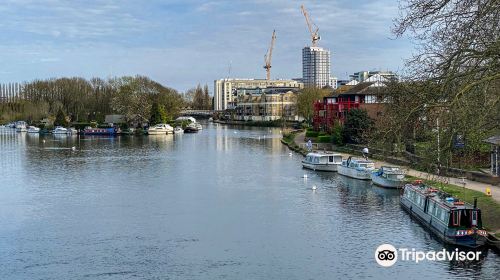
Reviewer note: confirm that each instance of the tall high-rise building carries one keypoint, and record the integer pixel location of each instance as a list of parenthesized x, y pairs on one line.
[(315, 66)]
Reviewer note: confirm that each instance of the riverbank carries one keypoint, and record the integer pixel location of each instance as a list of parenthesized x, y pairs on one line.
[(276, 123), (461, 188)]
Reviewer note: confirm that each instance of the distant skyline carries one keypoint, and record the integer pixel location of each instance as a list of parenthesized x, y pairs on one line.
[(181, 43)]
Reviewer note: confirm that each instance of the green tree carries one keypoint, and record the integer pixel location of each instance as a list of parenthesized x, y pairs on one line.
[(357, 126), (305, 101), (337, 137), (158, 114), (61, 118), (206, 98)]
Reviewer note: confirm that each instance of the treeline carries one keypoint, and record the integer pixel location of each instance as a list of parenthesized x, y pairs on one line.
[(198, 98), (90, 100)]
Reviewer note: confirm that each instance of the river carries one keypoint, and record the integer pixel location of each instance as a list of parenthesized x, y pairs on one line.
[(227, 203)]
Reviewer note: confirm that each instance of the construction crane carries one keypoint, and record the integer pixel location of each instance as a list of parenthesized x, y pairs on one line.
[(268, 56), (314, 33)]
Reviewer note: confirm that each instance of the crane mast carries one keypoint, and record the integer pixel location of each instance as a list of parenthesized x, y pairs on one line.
[(268, 56), (314, 32)]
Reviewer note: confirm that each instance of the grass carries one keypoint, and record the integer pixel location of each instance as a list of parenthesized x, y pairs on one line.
[(490, 209)]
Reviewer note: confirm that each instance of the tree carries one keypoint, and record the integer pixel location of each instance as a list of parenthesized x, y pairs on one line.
[(61, 118), (158, 114), (198, 100), (206, 98), (357, 126), (305, 101), (454, 78)]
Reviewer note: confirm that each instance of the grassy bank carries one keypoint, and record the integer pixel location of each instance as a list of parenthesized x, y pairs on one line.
[(490, 209), (289, 140)]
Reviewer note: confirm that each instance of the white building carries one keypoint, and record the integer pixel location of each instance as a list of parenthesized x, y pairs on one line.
[(226, 90), (316, 67), (364, 75)]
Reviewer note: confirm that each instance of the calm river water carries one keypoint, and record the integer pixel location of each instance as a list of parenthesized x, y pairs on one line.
[(226, 203)]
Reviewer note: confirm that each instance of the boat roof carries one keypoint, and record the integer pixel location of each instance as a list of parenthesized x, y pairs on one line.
[(322, 154), (360, 160), (391, 169), (440, 197)]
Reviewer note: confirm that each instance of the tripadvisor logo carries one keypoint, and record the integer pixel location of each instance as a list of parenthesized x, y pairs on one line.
[(386, 255)]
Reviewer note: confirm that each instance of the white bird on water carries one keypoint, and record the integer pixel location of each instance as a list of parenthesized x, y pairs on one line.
[(73, 148), (290, 154), (305, 176), (313, 187)]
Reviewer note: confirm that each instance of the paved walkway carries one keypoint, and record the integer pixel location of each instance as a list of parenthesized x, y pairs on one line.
[(473, 185)]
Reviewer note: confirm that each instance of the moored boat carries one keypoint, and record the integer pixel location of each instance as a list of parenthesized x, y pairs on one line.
[(21, 128), (72, 131), (388, 177), (190, 129), (99, 131), (322, 161), (197, 125), (178, 130), (60, 130), (452, 220), (356, 168), (33, 129), (160, 129)]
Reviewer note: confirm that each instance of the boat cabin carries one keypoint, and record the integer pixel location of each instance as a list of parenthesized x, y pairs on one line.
[(323, 158), (442, 207), (358, 163)]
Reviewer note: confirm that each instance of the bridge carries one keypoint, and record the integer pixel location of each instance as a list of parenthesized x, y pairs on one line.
[(197, 113)]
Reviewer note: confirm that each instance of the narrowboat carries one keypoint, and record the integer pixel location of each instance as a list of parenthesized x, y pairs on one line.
[(388, 177), (99, 131), (452, 220), (322, 161), (356, 168)]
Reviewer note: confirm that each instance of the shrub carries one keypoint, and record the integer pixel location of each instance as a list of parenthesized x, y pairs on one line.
[(322, 133), (337, 135), (325, 139), (311, 134)]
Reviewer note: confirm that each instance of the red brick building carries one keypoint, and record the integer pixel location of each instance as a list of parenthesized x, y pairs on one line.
[(333, 109)]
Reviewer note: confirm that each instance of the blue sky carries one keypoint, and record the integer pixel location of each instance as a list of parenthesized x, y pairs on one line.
[(181, 43)]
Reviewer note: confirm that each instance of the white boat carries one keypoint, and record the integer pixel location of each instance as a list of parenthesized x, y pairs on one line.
[(160, 128), (33, 129), (60, 130), (21, 128), (196, 125), (322, 161), (389, 177), (356, 168), (178, 130), (183, 118), (72, 131)]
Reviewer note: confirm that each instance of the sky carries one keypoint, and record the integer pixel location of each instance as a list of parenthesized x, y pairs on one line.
[(181, 43)]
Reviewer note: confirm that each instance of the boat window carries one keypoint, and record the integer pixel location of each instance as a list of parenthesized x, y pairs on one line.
[(330, 158), (338, 158), (442, 215), (431, 206), (474, 218), (456, 218), (316, 160)]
